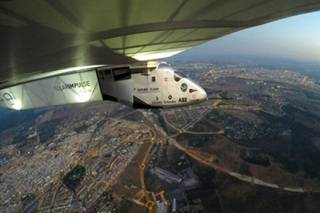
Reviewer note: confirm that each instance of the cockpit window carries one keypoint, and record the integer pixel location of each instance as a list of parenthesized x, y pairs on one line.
[(177, 77)]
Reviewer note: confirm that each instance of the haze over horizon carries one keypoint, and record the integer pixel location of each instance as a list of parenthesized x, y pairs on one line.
[(295, 38)]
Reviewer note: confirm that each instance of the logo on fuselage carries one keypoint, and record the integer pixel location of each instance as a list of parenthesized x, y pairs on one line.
[(184, 87), (7, 97), (80, 84), (184, 100)]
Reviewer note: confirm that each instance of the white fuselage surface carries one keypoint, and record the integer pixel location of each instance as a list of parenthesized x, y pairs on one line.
[(143, 85), (149, 87)]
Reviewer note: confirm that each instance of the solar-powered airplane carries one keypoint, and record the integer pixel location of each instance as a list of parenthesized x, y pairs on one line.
[(143, 85), (58, 52)]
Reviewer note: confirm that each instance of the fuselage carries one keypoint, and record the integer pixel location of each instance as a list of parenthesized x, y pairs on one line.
[(141, 85), (149, 86)]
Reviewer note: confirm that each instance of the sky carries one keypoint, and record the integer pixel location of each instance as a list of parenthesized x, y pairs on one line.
[(294, 38)]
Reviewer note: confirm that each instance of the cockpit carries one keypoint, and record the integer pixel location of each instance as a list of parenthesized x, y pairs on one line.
[(178, 76)]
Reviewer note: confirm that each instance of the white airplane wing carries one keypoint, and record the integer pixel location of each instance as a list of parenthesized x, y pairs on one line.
[(38, 37)]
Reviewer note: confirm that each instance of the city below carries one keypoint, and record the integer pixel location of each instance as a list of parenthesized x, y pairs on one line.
[(254, 146)]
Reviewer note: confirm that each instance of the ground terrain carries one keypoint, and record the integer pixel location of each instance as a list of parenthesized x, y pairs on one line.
[(254, 146)]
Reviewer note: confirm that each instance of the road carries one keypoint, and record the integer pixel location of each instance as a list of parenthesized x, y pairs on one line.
[(210, 161), (190, 124)]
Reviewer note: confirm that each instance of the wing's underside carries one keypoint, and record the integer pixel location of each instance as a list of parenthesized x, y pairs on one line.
[(43, 35)]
